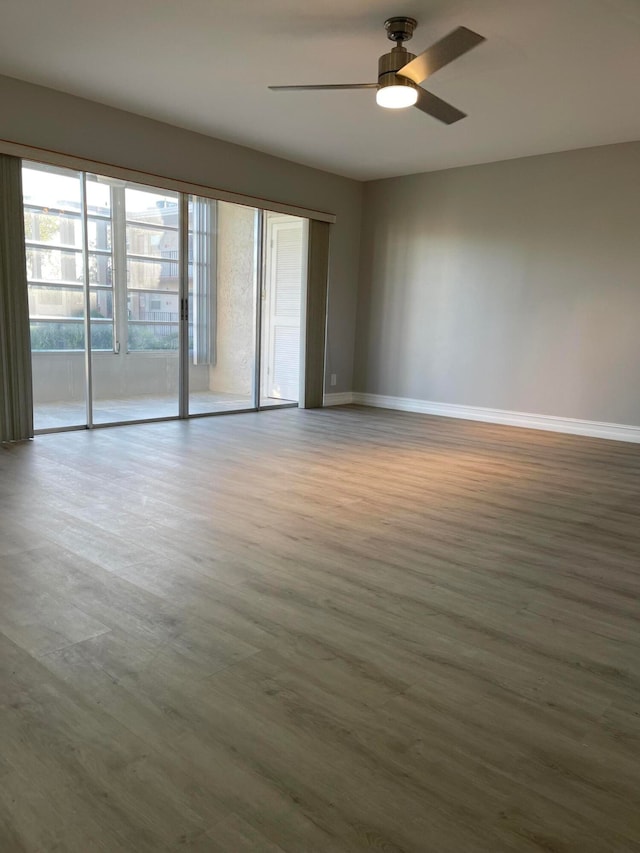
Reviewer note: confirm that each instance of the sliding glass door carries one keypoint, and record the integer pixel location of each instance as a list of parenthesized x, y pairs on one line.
[(55, 273), (136, 370), (128, 282), (224, 250)]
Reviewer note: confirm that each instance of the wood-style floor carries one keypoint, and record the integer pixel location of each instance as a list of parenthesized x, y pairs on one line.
[(331, 630)]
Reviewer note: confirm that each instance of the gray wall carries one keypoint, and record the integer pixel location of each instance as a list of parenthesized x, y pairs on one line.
[(33, 115), (513, 285)]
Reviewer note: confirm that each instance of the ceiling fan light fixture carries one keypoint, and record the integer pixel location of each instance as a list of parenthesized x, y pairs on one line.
[(395, 97)]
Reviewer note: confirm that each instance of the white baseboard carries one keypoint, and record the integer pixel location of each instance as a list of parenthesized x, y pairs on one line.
[(573, 426), (341, 399)]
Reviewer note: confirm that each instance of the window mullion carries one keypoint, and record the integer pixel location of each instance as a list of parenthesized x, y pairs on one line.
[(88, 374), (119, 246), (183, 301)]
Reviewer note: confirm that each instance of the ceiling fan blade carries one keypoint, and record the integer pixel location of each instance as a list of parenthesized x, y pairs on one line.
[(437, 108), (322, 88), (441, 53)]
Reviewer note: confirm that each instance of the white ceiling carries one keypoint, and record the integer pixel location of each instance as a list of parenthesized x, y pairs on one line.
[(552, 75)]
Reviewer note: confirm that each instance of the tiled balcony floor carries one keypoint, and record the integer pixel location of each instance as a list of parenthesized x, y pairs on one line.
[(65, 414)]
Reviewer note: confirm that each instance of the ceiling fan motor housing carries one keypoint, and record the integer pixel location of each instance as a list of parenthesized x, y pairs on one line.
[(390, 63)]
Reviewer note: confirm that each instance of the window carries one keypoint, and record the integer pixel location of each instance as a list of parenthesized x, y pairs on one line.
[(53, 231), (137, 308), (151, 230)]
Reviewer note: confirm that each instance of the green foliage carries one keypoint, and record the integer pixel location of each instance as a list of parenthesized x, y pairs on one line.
[(48, 226), (68, 336), (142, 338)]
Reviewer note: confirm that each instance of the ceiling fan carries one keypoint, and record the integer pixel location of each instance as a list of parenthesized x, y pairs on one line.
[(401, 72)]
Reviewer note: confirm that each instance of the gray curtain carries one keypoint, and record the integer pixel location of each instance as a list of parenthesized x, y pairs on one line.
[(16, 396)]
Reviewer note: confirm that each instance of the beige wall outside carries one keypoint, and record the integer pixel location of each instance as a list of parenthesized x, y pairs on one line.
[(235, 300)]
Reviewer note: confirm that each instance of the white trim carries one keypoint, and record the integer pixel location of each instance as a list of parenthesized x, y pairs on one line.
[(573, 426), (341, 399), (67, 161)]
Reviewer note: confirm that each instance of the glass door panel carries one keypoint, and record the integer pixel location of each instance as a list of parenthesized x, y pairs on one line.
[(55, 273), (285, 244), (223, 262), (134, 301)]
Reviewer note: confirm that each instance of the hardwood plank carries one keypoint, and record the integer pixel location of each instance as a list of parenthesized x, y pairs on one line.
[(235, 834)]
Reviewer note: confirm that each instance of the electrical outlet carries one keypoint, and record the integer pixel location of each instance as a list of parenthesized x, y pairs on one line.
[(334, 378)]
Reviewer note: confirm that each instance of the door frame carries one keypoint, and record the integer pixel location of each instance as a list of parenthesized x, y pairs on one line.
[(268, 295)]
